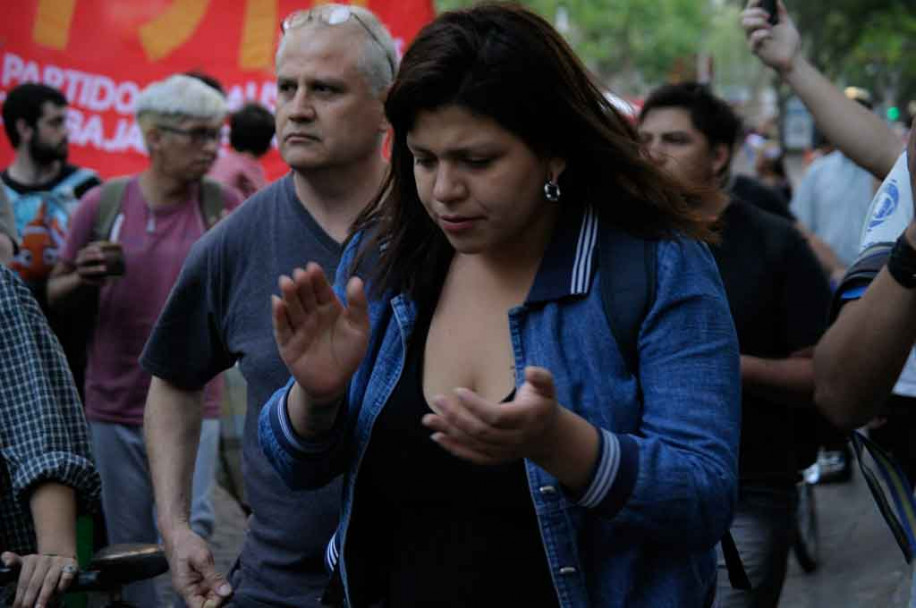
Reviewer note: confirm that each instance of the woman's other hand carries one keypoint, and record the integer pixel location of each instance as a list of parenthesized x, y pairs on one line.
[(483, 432), (321, 342), (41, 577)]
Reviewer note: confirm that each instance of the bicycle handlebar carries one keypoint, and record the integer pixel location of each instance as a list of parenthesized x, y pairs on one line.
[(110, 568), (86, 580)]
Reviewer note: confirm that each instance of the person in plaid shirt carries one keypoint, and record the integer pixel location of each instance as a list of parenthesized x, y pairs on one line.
[(46, 467)]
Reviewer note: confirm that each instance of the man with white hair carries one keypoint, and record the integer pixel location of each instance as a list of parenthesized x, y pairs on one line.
[(334, 65), (127, 242)]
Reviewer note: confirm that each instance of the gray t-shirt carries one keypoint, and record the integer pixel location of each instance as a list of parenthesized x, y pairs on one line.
[(219, 313)]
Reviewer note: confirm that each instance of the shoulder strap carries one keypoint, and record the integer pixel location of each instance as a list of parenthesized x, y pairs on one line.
[(73, 181), (627, 293), (109, 206), (627, 289), (212, 201)]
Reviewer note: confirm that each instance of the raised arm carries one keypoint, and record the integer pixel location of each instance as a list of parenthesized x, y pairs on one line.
[(322, 344), (860, 357), (857, 132)]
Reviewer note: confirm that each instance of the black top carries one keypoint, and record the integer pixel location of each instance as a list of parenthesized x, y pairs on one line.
[(779, 299), (443, 531), (762, 196)]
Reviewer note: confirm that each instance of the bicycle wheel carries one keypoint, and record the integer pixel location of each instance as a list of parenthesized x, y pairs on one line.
[(806, 546)]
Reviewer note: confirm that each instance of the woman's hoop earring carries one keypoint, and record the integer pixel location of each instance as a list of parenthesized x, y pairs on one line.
[(552, 191)]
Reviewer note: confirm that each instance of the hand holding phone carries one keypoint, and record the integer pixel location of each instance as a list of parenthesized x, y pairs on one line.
[(770, 7)]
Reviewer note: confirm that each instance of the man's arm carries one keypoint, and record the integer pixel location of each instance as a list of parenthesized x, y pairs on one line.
[(856, 131), (53, 507), (171, 423), (827, 258), (71, 285), (789, 380), (42, 575), (859, 359)]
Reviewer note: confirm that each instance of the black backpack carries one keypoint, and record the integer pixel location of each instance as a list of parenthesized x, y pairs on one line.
[(627, 294)]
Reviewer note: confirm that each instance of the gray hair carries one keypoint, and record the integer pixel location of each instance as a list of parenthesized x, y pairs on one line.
[(379, 59), (179, 97)]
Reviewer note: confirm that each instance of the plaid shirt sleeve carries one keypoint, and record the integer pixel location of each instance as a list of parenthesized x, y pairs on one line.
[(43, 433)]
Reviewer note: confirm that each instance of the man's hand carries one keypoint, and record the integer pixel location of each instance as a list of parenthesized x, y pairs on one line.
[(41, 577), (194, 573), (777, 46)]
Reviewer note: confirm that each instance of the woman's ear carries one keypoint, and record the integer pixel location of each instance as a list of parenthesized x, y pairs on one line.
[(555, 168)]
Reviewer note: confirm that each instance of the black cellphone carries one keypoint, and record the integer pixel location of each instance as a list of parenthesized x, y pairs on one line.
[(770, 7)]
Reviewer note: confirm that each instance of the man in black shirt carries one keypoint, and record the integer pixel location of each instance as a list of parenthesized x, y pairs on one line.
[(779, 298)]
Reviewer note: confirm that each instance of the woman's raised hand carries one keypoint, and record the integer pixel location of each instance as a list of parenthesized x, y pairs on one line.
[(320, 341)]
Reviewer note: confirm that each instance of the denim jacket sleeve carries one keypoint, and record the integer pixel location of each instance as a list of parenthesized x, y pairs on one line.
[(300, 462), (676, 481)]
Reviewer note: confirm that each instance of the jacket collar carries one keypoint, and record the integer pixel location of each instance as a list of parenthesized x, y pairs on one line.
[(568, 265)]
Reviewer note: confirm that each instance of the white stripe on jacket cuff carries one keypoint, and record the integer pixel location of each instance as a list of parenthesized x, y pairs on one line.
[(286, 424), (605, 471)]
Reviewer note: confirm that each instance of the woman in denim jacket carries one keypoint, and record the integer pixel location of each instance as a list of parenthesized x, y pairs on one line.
[(496, 449)]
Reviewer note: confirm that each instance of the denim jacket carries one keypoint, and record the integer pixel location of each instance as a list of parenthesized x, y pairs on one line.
[(647, 538)]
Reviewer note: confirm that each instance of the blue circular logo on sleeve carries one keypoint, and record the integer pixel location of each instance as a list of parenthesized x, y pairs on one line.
[(889, 199)]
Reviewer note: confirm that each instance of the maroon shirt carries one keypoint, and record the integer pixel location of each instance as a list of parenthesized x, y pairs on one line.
[(155, 245)]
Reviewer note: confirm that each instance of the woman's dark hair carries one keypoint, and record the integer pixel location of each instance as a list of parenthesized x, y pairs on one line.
[(503, 62)]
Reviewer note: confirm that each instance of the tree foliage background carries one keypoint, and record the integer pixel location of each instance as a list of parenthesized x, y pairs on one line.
[(633, 45)]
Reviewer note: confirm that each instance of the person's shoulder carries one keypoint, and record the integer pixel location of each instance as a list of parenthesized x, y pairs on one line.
[(781, 240), (9, 281), (248, 221), (14, 294), (759, 218), (260, 206)]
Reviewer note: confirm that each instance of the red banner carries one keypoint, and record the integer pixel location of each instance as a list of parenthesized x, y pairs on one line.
[(102, 53)]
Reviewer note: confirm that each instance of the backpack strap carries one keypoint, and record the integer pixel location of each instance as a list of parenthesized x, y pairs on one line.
[(74, 180), (627, 294), (627, 290), (212, 202), (109, 207), (112, 194)]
